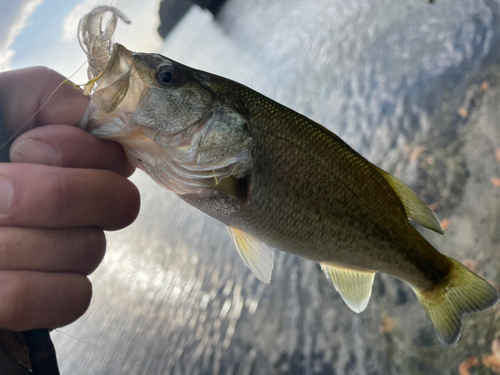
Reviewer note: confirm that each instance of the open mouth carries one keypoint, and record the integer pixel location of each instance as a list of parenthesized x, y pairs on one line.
[(115, 81), (115, 95)]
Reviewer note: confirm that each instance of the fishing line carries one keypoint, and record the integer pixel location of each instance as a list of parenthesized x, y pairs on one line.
[(41, 107), (16, 133), (108, 353), (109, 242), (50, 96)]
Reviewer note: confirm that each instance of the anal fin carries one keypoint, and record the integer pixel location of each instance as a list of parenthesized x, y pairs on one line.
[(354, 286), (255, 254)]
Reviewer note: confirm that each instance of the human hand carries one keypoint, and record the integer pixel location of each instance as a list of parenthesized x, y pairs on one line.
[(62, 189)]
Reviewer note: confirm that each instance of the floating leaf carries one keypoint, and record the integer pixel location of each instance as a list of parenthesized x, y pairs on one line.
[(416, 152), (495, 181), (470, 264), (464, 367), (462, 112), (388, 324), (434, 206), (445, 223), (492, 362)]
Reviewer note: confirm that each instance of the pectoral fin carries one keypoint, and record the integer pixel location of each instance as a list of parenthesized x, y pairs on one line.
[(354, 286), (255, 254), (233, 187), (414, 207)]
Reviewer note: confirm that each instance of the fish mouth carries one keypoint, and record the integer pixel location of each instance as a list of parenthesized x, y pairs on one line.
[(117, 94), (114, 83)]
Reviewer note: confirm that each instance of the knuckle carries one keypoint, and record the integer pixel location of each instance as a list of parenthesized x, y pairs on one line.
[(7, 237), (61, 201), (15, 295), (42, 73), (66, 158)]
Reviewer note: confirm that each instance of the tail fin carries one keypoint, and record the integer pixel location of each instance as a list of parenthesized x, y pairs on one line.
[(463, 292)]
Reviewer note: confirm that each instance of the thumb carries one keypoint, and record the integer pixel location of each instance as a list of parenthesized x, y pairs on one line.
[(24, 91)]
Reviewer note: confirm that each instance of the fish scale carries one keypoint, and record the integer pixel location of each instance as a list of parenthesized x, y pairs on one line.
[(323, 147), (279, 180)]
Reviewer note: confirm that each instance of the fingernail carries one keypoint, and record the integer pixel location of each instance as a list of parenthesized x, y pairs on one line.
[(6, 194), (34, 151)]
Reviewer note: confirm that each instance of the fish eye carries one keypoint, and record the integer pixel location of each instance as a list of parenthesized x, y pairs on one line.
[(167, 74)]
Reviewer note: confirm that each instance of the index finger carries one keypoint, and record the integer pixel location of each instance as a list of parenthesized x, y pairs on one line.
[(53, 197), (24, 91)]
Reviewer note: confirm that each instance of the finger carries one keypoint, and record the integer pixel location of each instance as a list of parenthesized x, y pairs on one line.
[(52, 197), (74, 250), (70, 147), (42, 300), (24, 91)]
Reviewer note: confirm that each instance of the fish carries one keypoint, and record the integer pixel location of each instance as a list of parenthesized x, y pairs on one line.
[(279, 180)]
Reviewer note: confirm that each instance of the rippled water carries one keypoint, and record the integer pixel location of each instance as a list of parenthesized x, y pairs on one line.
[(401, 81)]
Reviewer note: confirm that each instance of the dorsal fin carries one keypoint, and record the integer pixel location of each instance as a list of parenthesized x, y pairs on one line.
[(255, 254), (354, 286), (414, 207)]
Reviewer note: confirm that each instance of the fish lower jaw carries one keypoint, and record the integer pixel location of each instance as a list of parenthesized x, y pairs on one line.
[(182, 178)]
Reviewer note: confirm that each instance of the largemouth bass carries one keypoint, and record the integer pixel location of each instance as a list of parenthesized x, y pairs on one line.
[(279, 180)]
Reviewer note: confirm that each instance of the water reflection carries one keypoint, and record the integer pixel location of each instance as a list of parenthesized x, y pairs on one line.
[(403, 83)]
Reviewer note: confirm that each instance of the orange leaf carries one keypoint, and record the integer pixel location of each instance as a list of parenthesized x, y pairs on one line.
[(495, 348), (387, 324), (494, 285), (416, 152), (485, 86), (492, 362), (464, 367), (497, 154), (495, 181), (470, 264), (462, 112), (434, 206), (445, 223)]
